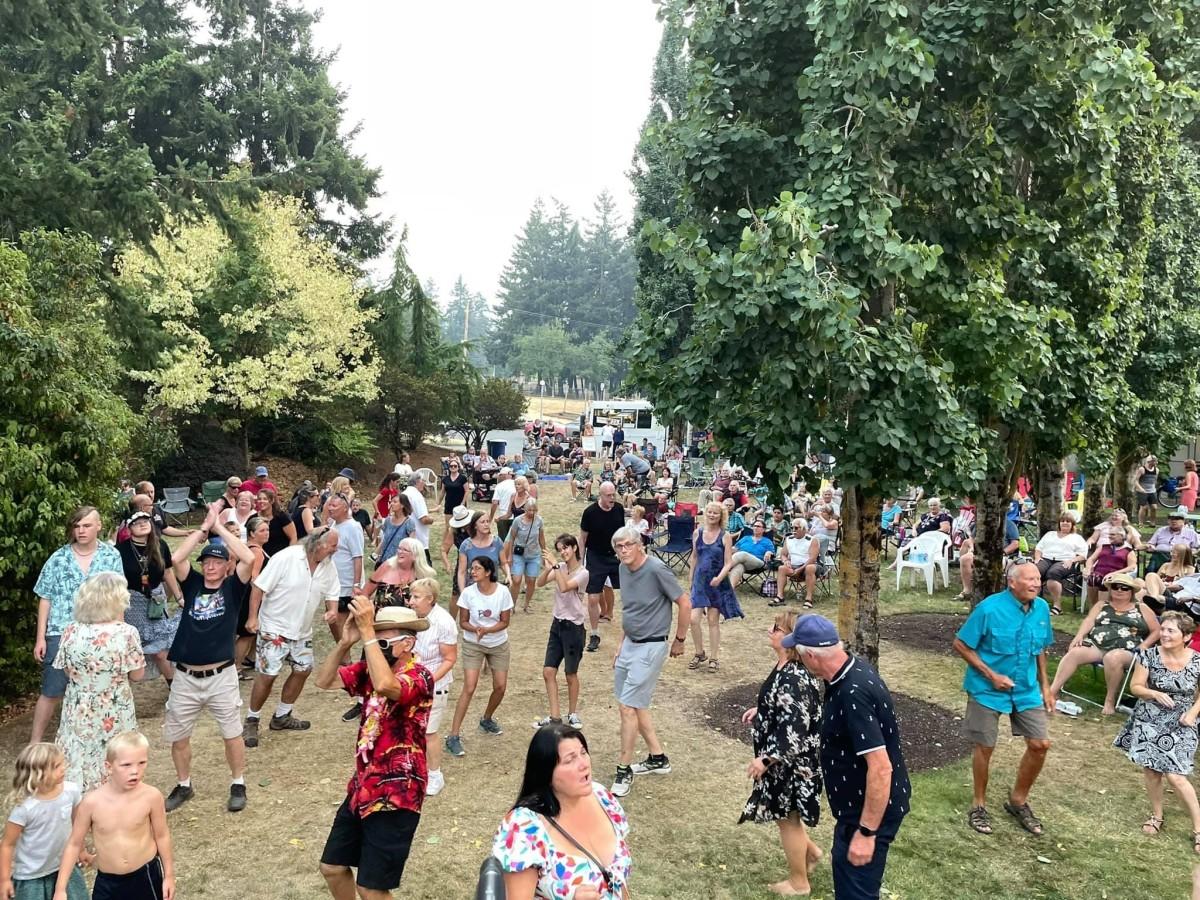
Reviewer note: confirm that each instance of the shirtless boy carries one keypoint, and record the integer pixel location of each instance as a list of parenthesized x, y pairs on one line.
[(128, 822)]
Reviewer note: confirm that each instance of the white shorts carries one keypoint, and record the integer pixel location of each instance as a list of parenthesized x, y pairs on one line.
[(273, 650), (191, 695), (441, 699)]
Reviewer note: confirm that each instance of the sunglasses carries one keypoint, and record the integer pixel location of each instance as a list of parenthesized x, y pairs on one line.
[(1119, 587), (775, 629), (385, 643)]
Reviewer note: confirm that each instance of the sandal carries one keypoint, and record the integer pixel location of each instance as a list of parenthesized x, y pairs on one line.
[(714, 666), (978, 818), (779, 602), (1025, 816), (1056, 610), (808, 604), (961, 597), (696, 660), (1152, 825)]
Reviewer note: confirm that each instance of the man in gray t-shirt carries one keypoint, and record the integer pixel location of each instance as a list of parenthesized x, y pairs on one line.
[(348, 559), (646, 600)]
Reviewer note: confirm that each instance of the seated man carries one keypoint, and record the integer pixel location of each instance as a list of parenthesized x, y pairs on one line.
[(1056, 556), (735, 523), (802, 556), (582, 480), (1176, 531), (737, 494), (750, 554), (556, 454), (639, 467), (966, 556), (486, 463), (778, 527)]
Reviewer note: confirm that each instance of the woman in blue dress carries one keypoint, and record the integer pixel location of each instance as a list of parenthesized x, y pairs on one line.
[(712, 594)]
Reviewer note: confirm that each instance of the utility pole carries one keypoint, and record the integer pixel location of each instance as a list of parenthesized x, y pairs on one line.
[(466, 317)]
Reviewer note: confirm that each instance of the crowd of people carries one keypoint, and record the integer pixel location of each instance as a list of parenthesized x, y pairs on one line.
[(266, 568)]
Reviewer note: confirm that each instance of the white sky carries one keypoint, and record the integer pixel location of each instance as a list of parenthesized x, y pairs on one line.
[(474, 109)]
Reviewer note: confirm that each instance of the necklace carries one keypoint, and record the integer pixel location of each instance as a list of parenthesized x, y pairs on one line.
[(75, 549)]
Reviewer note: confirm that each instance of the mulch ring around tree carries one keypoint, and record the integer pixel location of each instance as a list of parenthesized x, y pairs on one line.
[(929, 734), (934, 632)]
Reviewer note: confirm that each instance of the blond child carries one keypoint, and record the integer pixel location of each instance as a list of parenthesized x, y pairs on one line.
[(128, 822), (38, 828), (638, 522)]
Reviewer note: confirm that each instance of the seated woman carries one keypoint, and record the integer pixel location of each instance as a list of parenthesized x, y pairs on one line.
[(1056, 556), (1110, 633), (1163, 584), (1115, 556), (566, 834), (1117, 520), (664, 485)]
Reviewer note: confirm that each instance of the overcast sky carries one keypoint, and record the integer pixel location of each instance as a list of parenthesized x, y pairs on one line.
[(474, 109)]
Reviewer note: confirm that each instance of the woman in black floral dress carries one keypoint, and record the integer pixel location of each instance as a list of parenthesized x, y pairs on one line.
[(1161, 734), (786, 766)]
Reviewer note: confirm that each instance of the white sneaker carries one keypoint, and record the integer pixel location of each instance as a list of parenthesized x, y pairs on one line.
[(574, 721), (436, 782)]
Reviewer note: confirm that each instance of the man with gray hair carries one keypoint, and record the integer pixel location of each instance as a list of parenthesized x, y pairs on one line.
[(648, 591), (1004, 642), (286, 594), (861, 759), (422, 519), (347, 559)]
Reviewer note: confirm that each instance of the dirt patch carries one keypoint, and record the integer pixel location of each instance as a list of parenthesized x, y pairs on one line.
[(929, 734), (934, 632), (288, 474)]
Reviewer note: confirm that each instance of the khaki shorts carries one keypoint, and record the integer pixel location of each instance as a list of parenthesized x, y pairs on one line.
[(441, 699), (982, 725), (271, 651), (473, 655), (191, 695)]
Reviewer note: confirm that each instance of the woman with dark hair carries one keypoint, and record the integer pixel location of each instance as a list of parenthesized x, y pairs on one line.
[(398, 525), (146, 558), (459, 528), (282, 531), (786, 769), (455, 485), (484, 610), (258, 533), (388, 488), (566, 834), (304, 519)]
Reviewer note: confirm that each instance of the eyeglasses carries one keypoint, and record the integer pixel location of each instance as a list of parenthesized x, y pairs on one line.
[(624, 545), (775, 629)]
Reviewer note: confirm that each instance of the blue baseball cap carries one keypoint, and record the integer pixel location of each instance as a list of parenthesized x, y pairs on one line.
[(261, 472), (812, 631)]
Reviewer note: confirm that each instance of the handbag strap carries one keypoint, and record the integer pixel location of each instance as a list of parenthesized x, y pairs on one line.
[(604, 873)]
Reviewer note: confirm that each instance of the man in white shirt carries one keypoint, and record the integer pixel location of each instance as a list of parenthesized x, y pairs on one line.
[(285, 596), (415, 492), (502, 497)]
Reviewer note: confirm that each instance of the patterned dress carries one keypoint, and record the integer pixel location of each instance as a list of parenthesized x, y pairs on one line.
[(1153, 737), (1118, 630), (524, 841), (787, 729), (98, 704), (710, 559)]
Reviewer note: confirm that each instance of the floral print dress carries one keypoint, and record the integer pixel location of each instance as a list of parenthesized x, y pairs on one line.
[(525, 841), (98, 704), (787, 729), (1115, 630)]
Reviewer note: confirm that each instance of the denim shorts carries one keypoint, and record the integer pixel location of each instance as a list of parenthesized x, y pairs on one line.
[(527, 563), (54, 681)]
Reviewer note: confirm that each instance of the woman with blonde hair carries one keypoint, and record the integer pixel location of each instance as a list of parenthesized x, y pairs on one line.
[(786, 769), (712, 594), (1162, 585), (101, 655), (389, 583)]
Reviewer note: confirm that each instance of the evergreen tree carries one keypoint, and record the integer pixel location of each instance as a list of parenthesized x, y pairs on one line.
[(468, 318), (608, 277)]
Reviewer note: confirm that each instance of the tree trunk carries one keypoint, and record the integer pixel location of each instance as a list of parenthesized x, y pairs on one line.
[(1093, 504), (990, 512), (246, 446), (858, 574), (1051, 475), (1126, 462)]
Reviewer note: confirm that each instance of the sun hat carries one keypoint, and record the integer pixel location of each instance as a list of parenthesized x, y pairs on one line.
[(400, 617), (1134, 584), (461, 516), (216, 550), (348, 473), (261, 472), (812, 631), (1179, 512)]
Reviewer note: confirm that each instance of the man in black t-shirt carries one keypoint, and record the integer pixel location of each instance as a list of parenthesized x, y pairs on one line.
[(861, 761), (597, 525), (205, 675)]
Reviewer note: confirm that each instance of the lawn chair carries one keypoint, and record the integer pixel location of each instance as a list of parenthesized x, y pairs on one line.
[(1097, 669), (177, 505), (677, 547), (695, 475), (925, 552), (211, 492), (690, 510), (431, 483)]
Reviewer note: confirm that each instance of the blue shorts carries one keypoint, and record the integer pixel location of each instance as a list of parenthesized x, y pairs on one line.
[(54, 681), (635, 673), (528, 563)]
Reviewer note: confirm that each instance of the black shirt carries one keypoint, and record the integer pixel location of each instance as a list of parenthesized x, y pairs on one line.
[(930, 522), (277, 538), (858, 717), (363, 518), (298, 521), (136, 563), (456, 490), (208, 623), (600, 527)]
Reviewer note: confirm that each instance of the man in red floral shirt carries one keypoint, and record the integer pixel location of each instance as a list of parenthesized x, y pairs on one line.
[(374, 827)]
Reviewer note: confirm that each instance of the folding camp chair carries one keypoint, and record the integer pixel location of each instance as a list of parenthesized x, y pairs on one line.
[(695, 474), (677, 548), (1097, 668), (176, 504)]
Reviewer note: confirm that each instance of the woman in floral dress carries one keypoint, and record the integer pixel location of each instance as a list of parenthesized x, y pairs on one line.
[(1161, 736), (786, 727), (1112, 632), (101, 655), (712, 595)]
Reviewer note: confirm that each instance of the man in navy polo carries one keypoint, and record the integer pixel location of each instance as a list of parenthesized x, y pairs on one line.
[(865, 776), (1004, 642)]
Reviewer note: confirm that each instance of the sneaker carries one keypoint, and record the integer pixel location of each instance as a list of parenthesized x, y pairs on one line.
[(179, 796), (250, 732), (454, 746), (574, 721), (623, 782), (436, 782), (353, 713), (546, 720), (237, 798), (491, 726), (593, 643), (289, 723), (653, 765)]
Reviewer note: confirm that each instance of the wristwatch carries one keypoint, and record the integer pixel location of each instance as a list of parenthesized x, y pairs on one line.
[(865, 831)]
